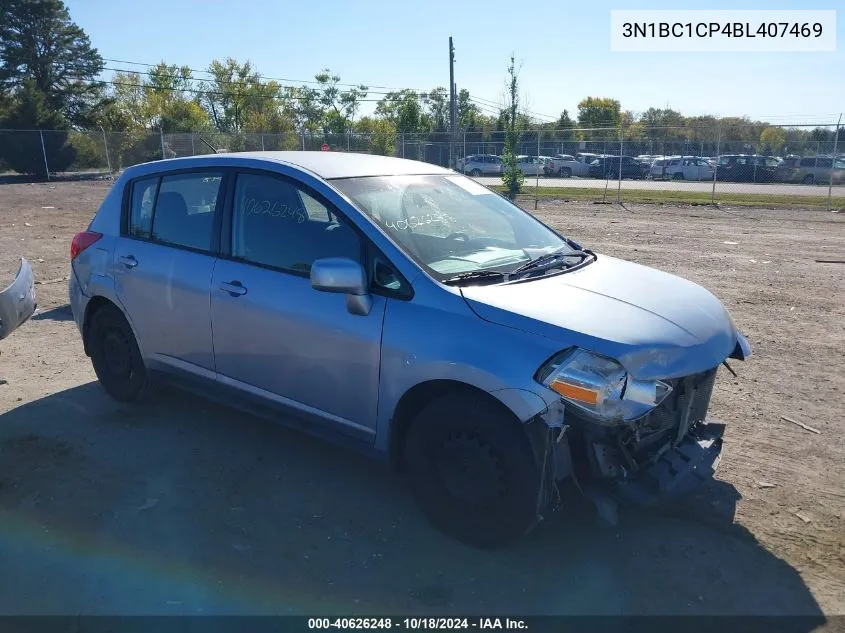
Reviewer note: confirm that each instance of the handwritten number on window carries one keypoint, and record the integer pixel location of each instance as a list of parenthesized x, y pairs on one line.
[(276, 209)]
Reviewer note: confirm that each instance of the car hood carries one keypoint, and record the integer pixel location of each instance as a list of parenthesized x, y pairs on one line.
[(656, 324)]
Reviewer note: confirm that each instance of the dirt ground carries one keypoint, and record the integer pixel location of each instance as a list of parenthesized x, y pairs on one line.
[(187, 507)]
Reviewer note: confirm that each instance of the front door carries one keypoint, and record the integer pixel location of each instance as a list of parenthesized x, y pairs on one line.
[(163, 264), (274, 335)]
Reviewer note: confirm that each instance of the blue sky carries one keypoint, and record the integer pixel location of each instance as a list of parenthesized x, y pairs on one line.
[(563, 48)]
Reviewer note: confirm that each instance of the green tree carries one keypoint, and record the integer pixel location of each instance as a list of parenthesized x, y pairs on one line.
[(380, 133), (403, 110), (599, 112), (437, 110), (773, 140), (469, 115), (21, 148), (512, 176), (40, 43), (239, 101)]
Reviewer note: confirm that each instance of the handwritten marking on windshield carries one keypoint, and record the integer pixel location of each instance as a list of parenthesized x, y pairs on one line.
[(415, 221)]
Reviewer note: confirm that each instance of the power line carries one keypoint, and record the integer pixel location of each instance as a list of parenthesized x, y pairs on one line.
[(208, 72), (216, 92)]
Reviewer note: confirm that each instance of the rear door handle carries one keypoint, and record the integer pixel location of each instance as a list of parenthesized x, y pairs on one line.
[(234, 288), (129, 261)]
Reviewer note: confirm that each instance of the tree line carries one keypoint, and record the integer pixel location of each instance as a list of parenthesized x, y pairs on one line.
[(51, 78)]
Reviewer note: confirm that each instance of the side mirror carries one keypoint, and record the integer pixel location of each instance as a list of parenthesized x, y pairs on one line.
[(342, 275)]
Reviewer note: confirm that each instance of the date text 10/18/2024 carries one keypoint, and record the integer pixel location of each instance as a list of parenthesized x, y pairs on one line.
[(420, 623)]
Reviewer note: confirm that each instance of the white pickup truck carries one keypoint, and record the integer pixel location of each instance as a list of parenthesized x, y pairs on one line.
[(566, 165)]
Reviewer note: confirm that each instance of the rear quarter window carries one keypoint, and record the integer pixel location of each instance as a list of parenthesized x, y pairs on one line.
[(142, 199)]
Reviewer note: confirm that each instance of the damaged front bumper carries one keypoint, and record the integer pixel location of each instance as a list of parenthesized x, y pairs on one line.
[(661, 456), (17, 302)]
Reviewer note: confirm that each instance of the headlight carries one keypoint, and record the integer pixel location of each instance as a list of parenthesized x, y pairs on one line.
[(601, 387)]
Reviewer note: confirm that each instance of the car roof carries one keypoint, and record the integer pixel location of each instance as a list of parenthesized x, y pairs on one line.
[(326, 165)]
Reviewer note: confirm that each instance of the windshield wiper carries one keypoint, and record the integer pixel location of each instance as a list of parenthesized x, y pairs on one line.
[(548, 258), (475, 274)]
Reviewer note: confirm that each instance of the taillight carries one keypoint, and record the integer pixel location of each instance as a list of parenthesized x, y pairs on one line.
[(81, 241)]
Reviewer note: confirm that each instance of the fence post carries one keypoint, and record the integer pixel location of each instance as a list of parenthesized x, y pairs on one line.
[(833, 165), (161, 134), (44, 152), (537, 185), (106, 147), (193, 149), (402, 135), (619, 182), (262, 142), (303, 141), (349, 140), (716, 167)]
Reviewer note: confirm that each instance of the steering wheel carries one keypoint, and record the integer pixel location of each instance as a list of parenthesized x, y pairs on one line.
[(463, 237)]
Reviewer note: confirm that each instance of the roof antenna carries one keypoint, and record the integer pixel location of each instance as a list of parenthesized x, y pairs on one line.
[(213, 149)]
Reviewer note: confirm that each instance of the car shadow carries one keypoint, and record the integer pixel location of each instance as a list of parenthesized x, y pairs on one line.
[(184, 506), (59, 313)]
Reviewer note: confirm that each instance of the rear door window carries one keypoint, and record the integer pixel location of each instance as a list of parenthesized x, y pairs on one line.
[(184, 210)]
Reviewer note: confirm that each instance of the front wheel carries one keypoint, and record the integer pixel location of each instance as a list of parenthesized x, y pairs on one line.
[(566, 172), (473, 471), (116, 358), (475, 173)]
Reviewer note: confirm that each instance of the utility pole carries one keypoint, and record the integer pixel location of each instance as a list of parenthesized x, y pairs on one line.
[(453, 103)]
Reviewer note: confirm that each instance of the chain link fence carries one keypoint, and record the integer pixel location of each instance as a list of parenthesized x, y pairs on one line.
[(799, 165)]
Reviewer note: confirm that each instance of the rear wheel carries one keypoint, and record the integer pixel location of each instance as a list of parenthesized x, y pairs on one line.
[(116, 358), (678, 175), (566, 172), (809, 179), (473, 471)]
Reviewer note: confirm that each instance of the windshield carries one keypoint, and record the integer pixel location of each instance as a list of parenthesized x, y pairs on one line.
[(450, 224)]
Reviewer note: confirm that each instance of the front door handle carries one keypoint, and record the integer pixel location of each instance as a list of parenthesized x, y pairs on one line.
[(234, 288), (129, 261)]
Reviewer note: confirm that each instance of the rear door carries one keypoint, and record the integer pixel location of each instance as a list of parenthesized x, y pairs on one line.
[(277, 338), (163, 264)]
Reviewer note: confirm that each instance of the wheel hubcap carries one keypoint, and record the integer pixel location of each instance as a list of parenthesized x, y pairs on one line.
[(470, 470)]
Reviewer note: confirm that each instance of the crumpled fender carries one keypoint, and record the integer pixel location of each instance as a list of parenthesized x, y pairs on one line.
[(17, 302)]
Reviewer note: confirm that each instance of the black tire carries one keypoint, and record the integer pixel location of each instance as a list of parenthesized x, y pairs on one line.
[(116, 358), (566, 172), (475, 173), (473, 471), (809, 179), (678, 175)]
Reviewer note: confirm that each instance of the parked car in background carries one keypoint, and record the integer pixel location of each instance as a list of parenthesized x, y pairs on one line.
[(577, 165), (608, 167), (559, 166), (407, 312), (530, 165), (693, 168), (17, 301), (819, 170), (746, 168), (480, 165)]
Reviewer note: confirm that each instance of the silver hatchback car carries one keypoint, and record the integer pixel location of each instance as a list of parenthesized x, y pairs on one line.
[(407, 311)]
